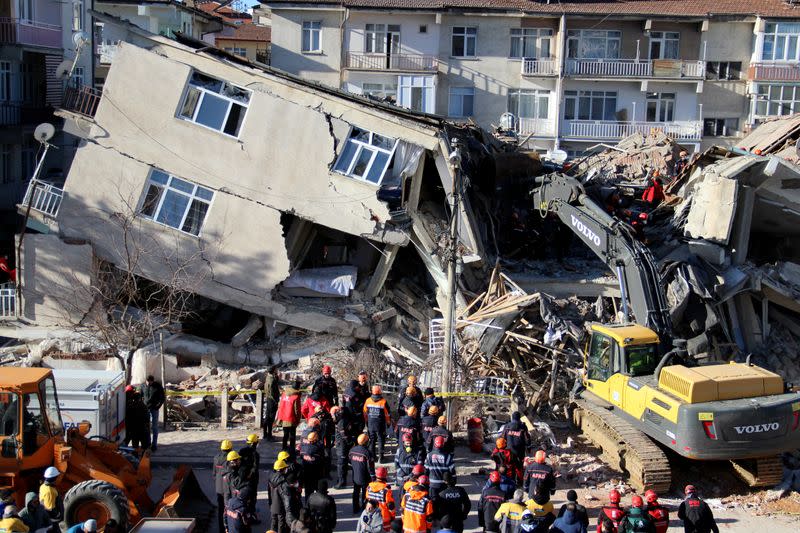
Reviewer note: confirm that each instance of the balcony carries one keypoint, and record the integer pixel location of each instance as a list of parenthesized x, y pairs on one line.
[(635, 68), (43, 197), (688, 130), (395, 62), (536, 127), (8, 301), (774, 72), (28, 32), (106, 52), (540, 67), (82, 100)]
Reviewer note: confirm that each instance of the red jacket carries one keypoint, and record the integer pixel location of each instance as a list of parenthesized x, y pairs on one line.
[(659, 515), (311, 404), (289, 407)]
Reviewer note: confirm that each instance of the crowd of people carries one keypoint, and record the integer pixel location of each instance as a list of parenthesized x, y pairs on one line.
[(350, 432)]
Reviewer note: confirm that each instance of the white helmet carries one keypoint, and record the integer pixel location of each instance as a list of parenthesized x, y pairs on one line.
[(90, 525), (51, 472)]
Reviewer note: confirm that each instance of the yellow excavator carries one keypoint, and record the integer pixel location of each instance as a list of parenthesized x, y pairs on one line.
[(96, 479), (640, 397)]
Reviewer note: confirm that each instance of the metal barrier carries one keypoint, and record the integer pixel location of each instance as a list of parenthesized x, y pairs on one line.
[(43, 197)]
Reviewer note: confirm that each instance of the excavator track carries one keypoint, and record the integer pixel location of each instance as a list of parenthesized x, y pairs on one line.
[(761, 472), (625, 448)]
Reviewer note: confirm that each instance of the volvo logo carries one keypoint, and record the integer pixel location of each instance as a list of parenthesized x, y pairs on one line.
[(760, 428), (588, 233)]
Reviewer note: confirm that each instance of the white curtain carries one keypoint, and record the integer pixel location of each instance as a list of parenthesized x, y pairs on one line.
[(406, 160)]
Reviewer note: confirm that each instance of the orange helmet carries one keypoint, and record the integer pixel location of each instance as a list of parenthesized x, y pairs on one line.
[(411, 391), (433, 410), (651, 496), (376, 389), (313, 422), (442, 420), (313, 437), (411, 411), (540, 457), (500, 443), (363, 439), (381, 473), (613, 496)]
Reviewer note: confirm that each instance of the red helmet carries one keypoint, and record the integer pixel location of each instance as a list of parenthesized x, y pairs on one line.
[(613, 496), (381, 473), (326, 369), (408, 437), (494, 477), (651, 496), (636, 501), (129, 388), (438, 442), (690, 489), (424, 481), (418, 470)]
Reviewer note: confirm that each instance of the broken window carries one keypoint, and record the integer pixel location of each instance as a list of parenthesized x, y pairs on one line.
[(590, 105), (382, 91), (175, 202), (464, 41), (365, 155), (312, 36), (530, 43), (723, 70), (461, 102), (720, 127), (215, 104)]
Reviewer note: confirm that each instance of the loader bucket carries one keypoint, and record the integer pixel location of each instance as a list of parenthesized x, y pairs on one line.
[(184, 498)]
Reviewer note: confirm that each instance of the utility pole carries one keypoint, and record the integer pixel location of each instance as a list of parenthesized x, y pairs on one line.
[(452, 268)]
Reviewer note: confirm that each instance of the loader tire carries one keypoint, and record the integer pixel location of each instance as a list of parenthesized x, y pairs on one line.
[(132, 459), (96, 499)]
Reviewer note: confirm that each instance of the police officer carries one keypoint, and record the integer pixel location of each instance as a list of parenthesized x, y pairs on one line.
[(453, 503), (696, 514), (363, 467), (378, 419), (219, 469), (538, 474)]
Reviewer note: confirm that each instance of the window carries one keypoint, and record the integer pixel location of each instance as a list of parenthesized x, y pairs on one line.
[(48, 391), (642, 360), (215, 104), (723, 70), (365, 156), (462, 100), (529, 103), (5, 163), (464, 41), (781, 42), (600, 357), (28, 156), (77, 15), (26, 9), (775, 100), (382, 39), (590, 105), (593, 44), (423, 28), (416, 92), (530, 43), (382, 91), (312, 36), (237, 51), (34, 428), (28, 83), (77, 77), (720, 127), (5, 81), (175, 202), (660, 107), (664, 44)]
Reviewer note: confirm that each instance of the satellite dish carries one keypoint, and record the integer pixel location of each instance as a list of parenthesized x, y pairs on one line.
[(64, 69), (79, 39), (44, 132), (558, 156)]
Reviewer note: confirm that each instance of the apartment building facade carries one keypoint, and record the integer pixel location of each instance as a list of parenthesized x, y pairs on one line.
[(566, 75)]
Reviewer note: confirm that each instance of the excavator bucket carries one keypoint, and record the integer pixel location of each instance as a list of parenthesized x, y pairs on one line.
[(184, 498)]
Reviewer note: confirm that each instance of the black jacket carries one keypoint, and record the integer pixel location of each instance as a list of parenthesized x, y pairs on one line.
[(312, 456), (251, 462), (405, 461), (153, 395), (449, 445), (233, 482), (416, 401), (408, 425), (428, 423), (236, 518), (326, 386), (491, 500), (541, 476), (517, 436), (697, 516), (280, 496), (432, 400), (218, 470), (362, 464), (580, 513), (453, 502), (322, 509)]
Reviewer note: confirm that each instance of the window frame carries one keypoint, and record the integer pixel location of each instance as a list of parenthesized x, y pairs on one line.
[(311, 31), (460, 93), (665, 104), (790, 32), (593, 96), (467, 33), (235, 50), (764, 98), (6, 81), (77, 15), (165, 189), (664, 38), (198, 104), (715, 68), (720, 124), (580, 36), (537, 94), (537, 35), (385, 88), (360, 146)]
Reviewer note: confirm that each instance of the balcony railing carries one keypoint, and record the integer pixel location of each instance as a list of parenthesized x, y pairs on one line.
[(263, 57), (43, 197), (18, 31), (399, 62), (8, 301), (539, 67), (106, 53), (774, 71), (536, 126), (635, 68), (82, 100), (690, 130)]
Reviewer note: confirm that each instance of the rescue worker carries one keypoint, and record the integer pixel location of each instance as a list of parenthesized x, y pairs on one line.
[(363, 467), (279, 496), (326, 386), (658, 514), (327, 435), (11, 522), (378, 419), (353, 403), (438, 462), (695, 514), (314, 400), (491, 500), (408, 424), (507, 484), (568, 521), (509, 514), (371, 519), (441, 430), (636, 519), (542, 509), (312, 458), (518, 438), (417, 508), (578, 509), (410, 393), (90, 526), (49, 497), (272, 395), (35, 516), (153, 397), (431, 400), (322, 508), (406, 458), (611, 515), (313, 425), (219, 469), (417, 472), (251, 468), (233, 481), (137, 421), (681, 163), (502, 456), (452, 503), (380, 492), (289, 414), (539, 474), (429, 421), (342, 442), (238, 518)]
